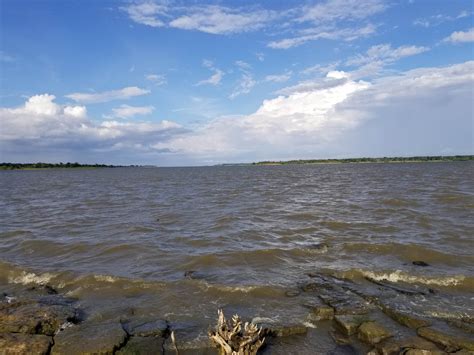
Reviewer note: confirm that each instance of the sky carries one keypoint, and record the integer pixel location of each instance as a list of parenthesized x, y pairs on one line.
[(173, 83)]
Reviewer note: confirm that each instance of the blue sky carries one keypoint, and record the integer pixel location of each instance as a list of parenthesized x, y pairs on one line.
[(192, 83)]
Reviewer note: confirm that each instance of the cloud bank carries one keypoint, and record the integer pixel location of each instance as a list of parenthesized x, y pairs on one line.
[(337, 115)]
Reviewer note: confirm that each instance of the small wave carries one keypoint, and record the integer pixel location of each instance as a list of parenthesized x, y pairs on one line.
[(27, 278), (397, 276), (400, 276)]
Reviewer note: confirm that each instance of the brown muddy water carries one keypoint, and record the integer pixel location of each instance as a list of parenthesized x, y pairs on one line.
[(179, 243)]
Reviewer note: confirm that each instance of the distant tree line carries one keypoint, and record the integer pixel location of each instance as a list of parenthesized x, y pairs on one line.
[(16, 166), (434, 158)]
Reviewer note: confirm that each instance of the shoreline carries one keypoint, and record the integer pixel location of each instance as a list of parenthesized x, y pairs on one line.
[(374, 317)]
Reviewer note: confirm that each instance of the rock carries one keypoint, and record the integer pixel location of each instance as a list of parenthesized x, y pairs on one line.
[(421, 352), (404, 318), (142, 345), (420, 263), (450, 343), (143, 328), (25, 344), (322, 312), (372, 333), (43, 289), (392, 346), (392, 286), (90, 338), (348, 324), (279, 330), (33, 318)]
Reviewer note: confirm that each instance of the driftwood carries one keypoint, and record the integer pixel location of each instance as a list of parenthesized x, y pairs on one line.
[(232, 339)]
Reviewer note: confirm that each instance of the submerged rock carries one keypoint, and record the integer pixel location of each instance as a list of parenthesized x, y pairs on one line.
[(19, 344), (420, 263), (146, 328), (450, 343), (90, 338), (372, 333), (404, 318)]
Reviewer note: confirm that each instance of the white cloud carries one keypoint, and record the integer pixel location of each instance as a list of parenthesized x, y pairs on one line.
[(157, 79), (337, 10), (320, 69), (461, 36), (246, 81), (43, 123), (222, 20), (436, 20), (106, 96), (324, 117), (215, 78), (279, 78), (386, 54), (260, 56), (126, 111), (325, 32), (147, 13), (245, 85)]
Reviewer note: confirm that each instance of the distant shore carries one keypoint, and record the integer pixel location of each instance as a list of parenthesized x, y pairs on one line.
[(414, 159), (40, 166)]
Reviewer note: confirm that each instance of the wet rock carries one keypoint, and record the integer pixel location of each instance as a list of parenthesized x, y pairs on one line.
[(143, 328), (43, 289), (33, 318), (280, 330), (142, 345), (404, 318), (420, 263), (90, 338), (392, 346), (403, 290), (190, 339), (372, 333), (348, 324), (322, 312), (345, 303), (25, 344), (467, 327), (421, 352), (450, 343)]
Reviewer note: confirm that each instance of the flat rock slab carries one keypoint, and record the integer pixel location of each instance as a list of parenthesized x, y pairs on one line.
[(372, 333), (450, 343), (393, 346), (34, 318), (284, 330), (90, 338), (19, 344), (404, 318), (144, 328), (142, 345)]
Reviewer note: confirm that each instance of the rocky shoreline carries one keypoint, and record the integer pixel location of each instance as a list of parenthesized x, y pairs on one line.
[(359, 319)]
